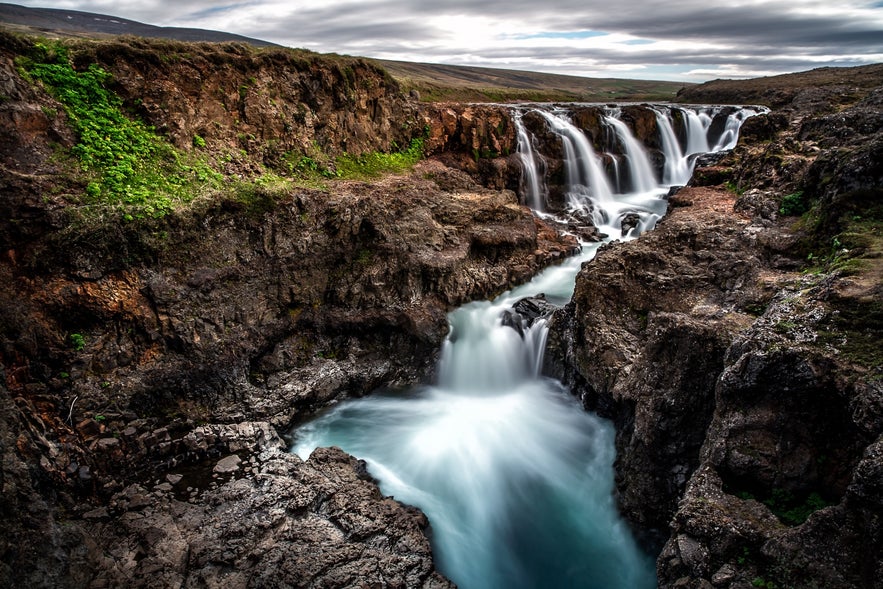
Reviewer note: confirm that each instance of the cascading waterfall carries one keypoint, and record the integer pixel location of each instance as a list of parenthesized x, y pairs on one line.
[(678, 166), (585, 175), (640, 171), (534, 193), (734, 122), (697, 124), (516, 479)]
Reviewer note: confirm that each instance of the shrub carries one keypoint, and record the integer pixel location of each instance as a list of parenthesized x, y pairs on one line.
[(793, 204), (78, 342)]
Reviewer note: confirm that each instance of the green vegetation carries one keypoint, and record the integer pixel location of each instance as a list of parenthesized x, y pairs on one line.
[(374, 164), (261, 195), (78, 342), (844, 236), (855, 330), (733, 187), (790, 509), (436, 83), (315, 167), (127, 164), (794, 204)]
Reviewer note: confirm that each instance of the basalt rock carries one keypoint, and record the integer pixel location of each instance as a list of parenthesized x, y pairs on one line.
[(268, 102), (646, 332)]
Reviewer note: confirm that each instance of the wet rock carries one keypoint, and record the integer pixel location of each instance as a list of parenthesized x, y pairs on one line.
[(533, 308), (629, 222), (653, 319), (513, 320), (770, 446)]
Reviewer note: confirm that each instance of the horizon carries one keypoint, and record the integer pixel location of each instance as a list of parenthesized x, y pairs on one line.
[(778, 37)]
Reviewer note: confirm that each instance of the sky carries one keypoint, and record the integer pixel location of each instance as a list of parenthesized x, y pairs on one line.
[(687, 40)]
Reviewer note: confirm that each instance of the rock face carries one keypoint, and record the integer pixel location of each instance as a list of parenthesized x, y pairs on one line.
[(285, 522), (269, 102), (747, 394), (271, 520), (648, 327)]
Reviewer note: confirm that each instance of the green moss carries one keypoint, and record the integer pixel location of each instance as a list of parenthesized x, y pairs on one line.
[(364, 257), (789, 508), (856, 330), (261, 195), (733, 187), (77, 341)]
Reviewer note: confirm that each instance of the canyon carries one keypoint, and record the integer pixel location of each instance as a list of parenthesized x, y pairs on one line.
[(736, 347)]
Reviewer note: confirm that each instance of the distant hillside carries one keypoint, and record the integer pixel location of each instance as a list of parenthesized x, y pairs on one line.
[(86, 24), (434, 82), (447, 82), (776, 91)]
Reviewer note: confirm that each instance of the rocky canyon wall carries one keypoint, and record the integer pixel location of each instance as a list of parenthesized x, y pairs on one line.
[(736, 347)]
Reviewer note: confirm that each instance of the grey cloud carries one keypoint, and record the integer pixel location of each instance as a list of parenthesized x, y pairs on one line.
[(772, 36)]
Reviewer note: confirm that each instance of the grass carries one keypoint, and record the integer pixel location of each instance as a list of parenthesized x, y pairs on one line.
[(439, 83), (126, 164), (850, 243)]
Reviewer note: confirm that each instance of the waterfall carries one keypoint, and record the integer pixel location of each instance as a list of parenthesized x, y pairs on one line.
[(516, 479), (734, 122), (678, 166), (640, 170), (514, 476), (585, 176), (534, 196), (697, 124)]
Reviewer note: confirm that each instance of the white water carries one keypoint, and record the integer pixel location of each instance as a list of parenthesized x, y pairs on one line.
[(585, 177), (640, 171), (534, 194), (516, 479), (730, 135), (678, 166), (697, 124)]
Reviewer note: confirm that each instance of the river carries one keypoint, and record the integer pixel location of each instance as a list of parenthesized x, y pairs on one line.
[(516, 479)]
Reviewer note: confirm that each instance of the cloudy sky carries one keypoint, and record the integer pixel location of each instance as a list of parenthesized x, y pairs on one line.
[(690, 40)]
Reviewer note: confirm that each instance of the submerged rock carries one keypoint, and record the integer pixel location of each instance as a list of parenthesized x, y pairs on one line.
[(525, 312)]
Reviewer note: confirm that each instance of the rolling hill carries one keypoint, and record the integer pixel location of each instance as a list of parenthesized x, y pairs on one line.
[(433, 82)]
